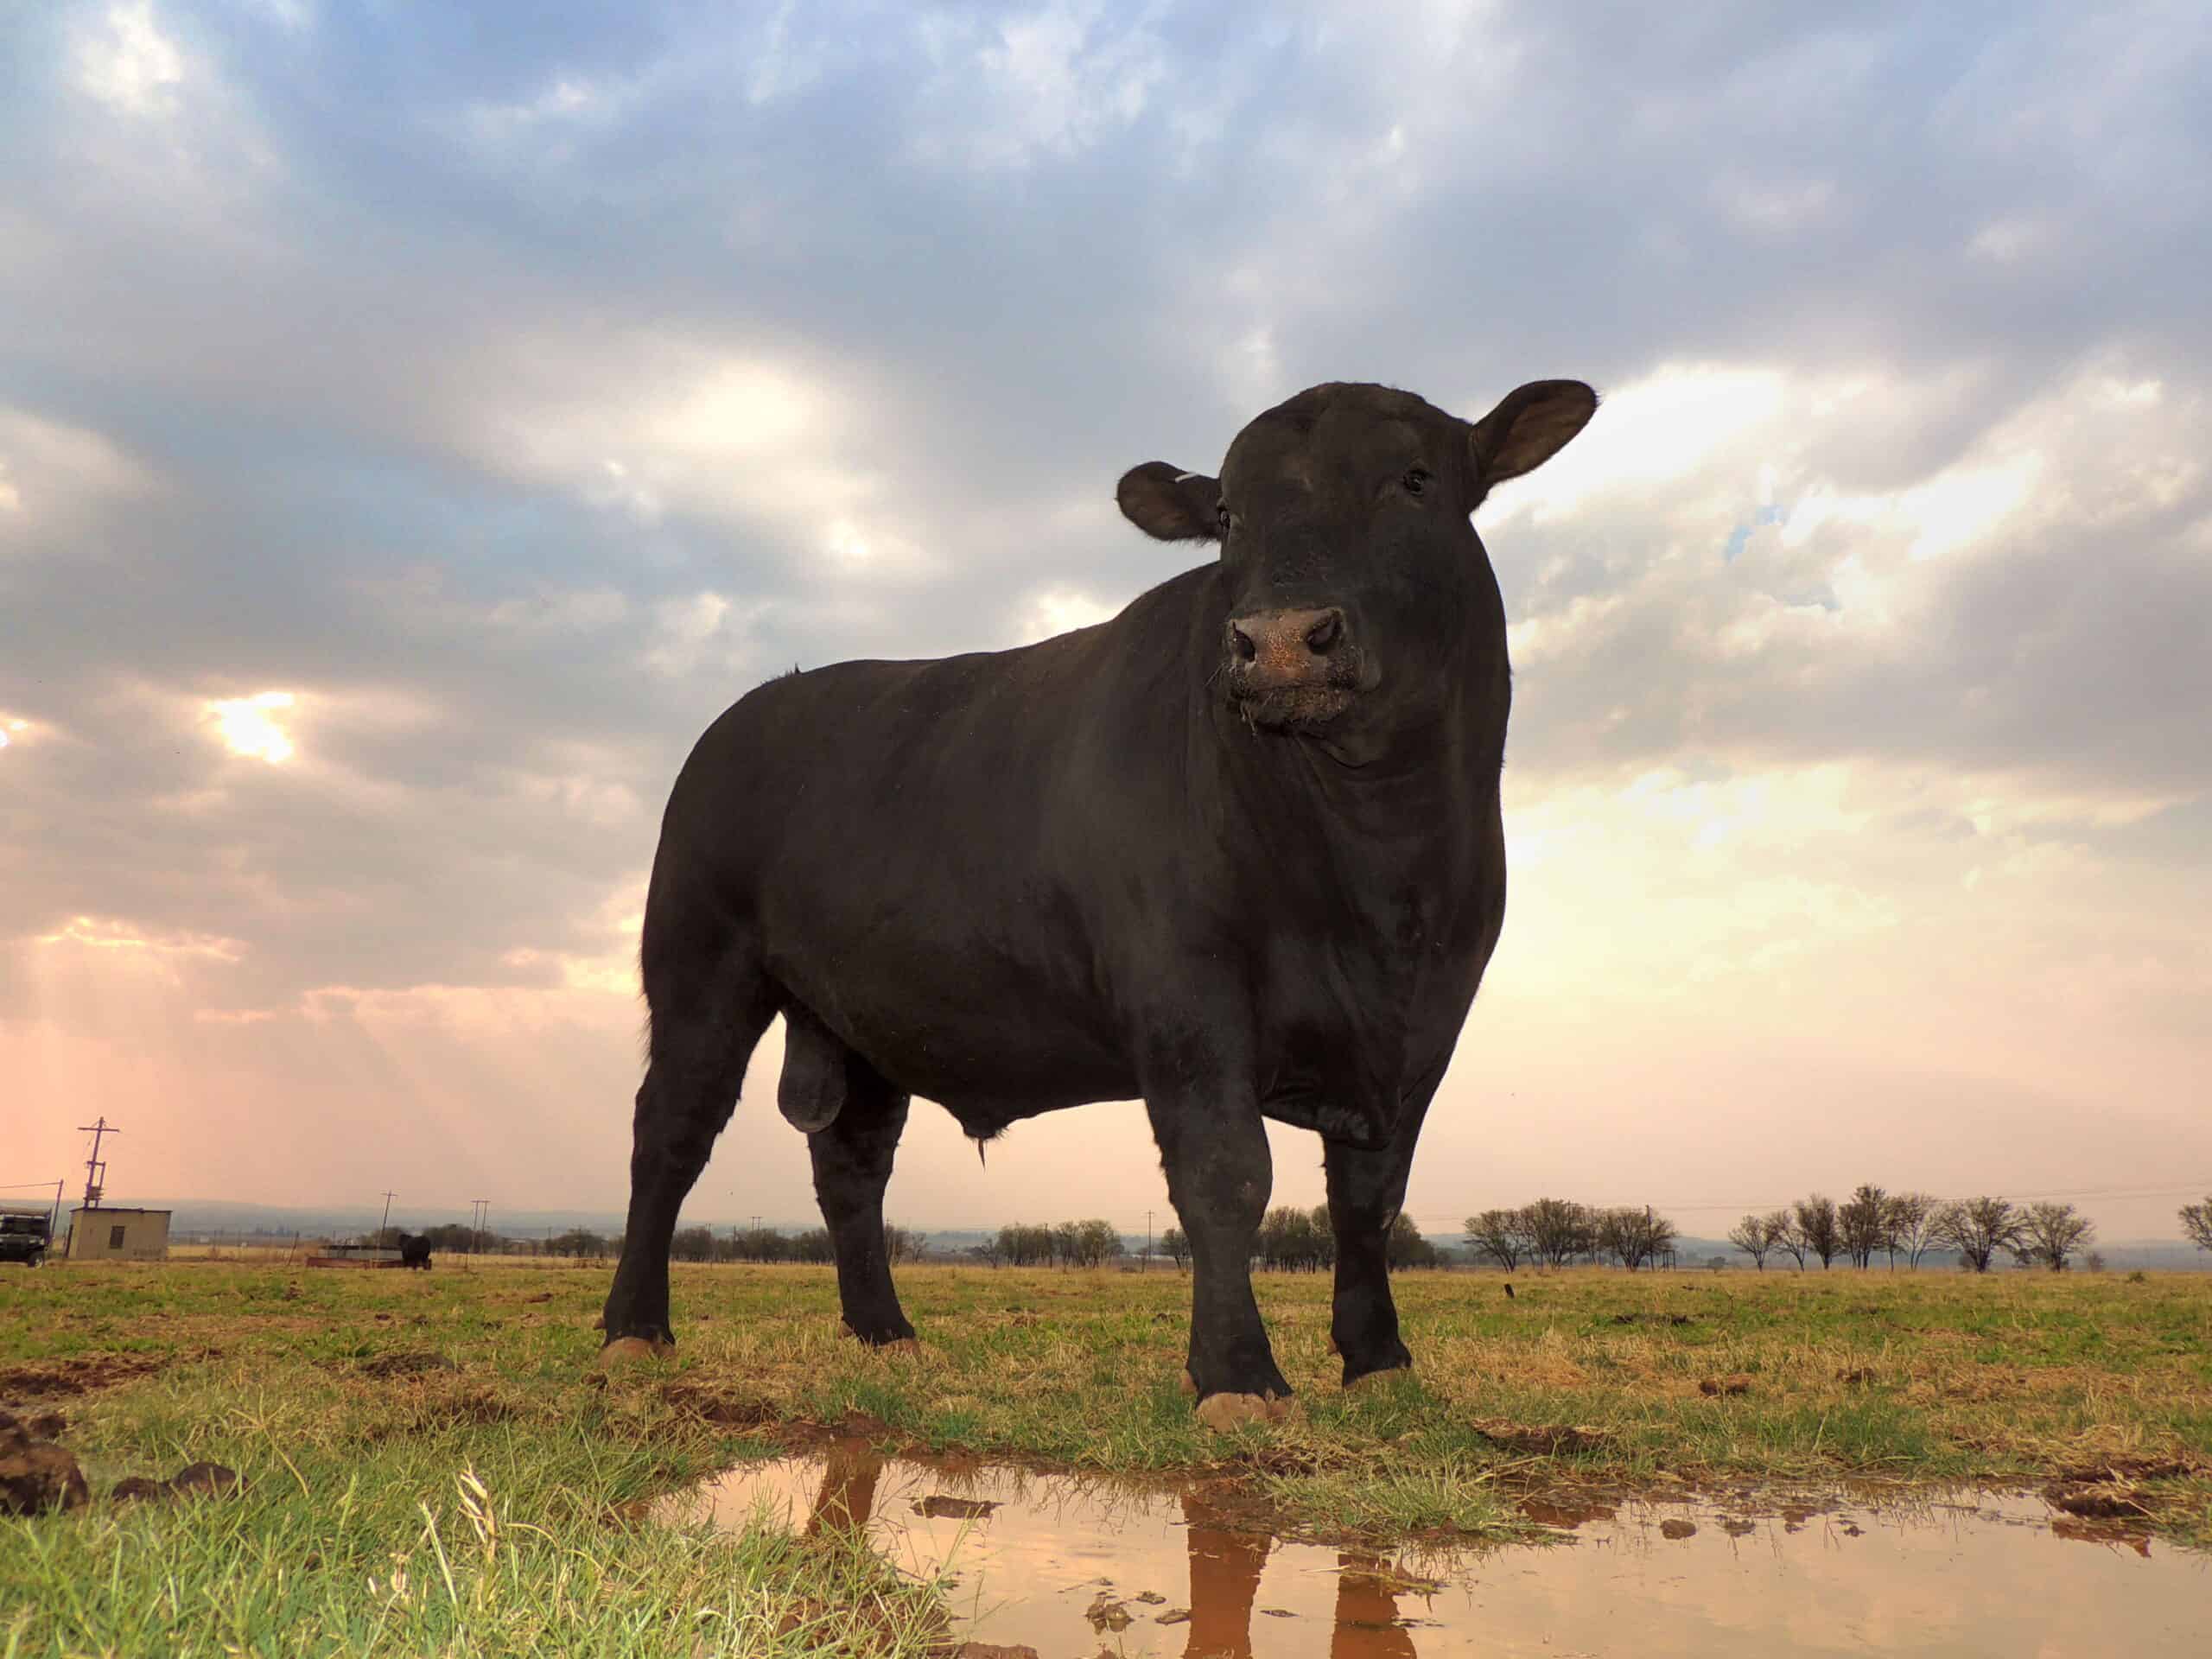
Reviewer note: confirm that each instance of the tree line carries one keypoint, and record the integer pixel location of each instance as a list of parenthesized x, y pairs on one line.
[(1872, 1221), (1553, 1232)]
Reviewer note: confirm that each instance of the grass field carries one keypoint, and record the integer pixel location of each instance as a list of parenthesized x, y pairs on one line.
[(433, 1468)]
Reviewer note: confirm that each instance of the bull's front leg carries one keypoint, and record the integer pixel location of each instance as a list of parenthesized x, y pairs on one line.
[(1219, 1174), (1366, 1191)]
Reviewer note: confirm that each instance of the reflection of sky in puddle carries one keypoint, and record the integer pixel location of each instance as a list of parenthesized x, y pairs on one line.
[(1071, 1566)]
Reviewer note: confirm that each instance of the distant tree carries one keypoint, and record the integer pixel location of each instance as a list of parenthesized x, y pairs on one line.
[(1751, 1236), (2049, 1236), (1978, 1229), (1173, 1243), (903, 1244), (1501, 1234), (1912, 1223), (1558, 1231), (692, 1244), (1863, 1225), (1633, 1237), (1067, 1239), (2197, 1223), (813, 1245), (1325, 1238), (581, 1243), (1782, 1227), (1406, 1247), (1818, 1226), (1027, 1246), (1293, 1240), (1096, 1242), (988, 1252), (2094, 1262)]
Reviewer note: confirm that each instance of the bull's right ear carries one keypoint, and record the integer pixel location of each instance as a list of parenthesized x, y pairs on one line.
[(1171, 505)]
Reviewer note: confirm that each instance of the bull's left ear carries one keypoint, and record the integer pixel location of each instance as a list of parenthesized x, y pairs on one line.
[(1528, 428), (1169, 505)]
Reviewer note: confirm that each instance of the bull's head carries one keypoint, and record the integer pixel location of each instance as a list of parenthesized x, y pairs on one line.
[(1355, 578)]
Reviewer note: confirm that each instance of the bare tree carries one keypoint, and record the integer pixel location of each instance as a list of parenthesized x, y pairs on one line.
[(1501, 1234), (1751, 1237), (1912, 1223), (1862, 1224), (1633, 1237), (903, 1245), (1782, 1227), (2196, 1221), (1817, 1225), (1979, 1228), (1558, 1229), (2051, 1234)]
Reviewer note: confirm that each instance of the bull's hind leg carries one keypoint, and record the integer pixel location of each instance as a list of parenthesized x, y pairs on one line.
[(709, 1008), (852, 1158)]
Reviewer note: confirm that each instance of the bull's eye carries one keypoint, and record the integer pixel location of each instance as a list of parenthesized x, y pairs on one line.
[(1225, 518), (1416, 481)]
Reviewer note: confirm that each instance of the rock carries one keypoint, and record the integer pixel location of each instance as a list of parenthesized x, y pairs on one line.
[(210, 1479), (1674, 1527), (1106, 1613), (136, 1489), (1174, 1616), (38, 1476)]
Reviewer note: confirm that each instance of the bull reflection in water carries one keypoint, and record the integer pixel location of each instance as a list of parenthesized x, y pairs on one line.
[(1226, 1566)]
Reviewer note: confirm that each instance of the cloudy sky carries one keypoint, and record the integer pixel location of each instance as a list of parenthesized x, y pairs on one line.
[(415, 426)]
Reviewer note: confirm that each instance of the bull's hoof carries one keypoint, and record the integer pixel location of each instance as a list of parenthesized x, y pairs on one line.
[(1356, 1384), (628, 1350), (894, 1345), (1226, 1411), (1189, 1385)]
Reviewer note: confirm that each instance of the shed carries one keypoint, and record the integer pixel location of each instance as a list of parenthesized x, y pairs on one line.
[(105, 1233)]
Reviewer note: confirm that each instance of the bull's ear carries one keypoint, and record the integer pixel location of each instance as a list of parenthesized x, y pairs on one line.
[(1528, 428), (1170, 505)]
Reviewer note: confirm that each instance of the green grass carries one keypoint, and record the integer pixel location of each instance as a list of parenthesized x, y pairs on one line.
[(484, 1506)]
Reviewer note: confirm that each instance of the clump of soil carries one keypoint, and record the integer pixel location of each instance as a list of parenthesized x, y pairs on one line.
[(723, 1410), (194, 1480), (1676, 1527), (1714, 1387), (2095, 1503), (937, 1507), (408, 1362), (1540, 1441), (36, 1475)]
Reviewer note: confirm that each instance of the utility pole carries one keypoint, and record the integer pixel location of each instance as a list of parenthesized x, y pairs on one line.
[(483, 1209), (384, 1225), (95, 1166), (1145, 1266)]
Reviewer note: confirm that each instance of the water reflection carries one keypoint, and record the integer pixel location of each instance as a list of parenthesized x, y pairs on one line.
[(1069, 1565)]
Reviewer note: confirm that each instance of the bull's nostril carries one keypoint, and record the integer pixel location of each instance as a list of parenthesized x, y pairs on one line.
[(1321, 639), (1241, 642)]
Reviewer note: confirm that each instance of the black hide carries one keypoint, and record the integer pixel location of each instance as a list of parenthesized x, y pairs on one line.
[(1236, 852)]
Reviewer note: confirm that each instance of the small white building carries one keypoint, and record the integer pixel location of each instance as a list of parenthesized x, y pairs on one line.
[(104, 1233)]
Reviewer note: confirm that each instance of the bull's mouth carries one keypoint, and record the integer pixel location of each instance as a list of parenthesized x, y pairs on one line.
[(1292, 709)]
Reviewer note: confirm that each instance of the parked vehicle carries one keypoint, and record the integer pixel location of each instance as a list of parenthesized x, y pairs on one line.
[(26, 1233)]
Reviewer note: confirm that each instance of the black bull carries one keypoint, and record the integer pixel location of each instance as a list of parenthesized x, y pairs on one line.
[(1237, 852)]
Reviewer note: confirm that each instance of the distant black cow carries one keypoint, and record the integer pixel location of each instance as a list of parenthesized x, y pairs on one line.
[(415, 1252), (1237, 852)]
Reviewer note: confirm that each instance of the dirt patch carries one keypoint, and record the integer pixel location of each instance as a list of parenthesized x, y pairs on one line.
[(723, 1409), (410, 1363), (57, 1379), (1724, 1387)]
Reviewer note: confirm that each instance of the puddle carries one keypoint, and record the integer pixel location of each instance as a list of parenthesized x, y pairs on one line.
[(1074, 1567)]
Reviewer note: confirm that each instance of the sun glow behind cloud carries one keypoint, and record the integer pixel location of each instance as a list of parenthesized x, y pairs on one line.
[(249, 727)]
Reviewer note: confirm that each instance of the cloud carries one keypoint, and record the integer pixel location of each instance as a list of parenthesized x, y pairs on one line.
[(513, 401)]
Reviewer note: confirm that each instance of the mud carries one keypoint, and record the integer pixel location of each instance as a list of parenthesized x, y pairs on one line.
[(1064, 1564)]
